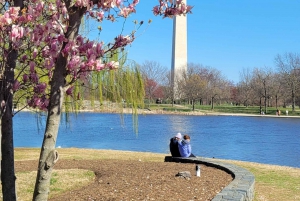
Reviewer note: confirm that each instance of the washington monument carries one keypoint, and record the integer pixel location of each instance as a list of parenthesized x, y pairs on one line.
[(179, 51)]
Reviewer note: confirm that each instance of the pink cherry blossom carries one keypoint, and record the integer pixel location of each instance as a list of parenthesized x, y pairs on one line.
[(99, 65), (16, 85), (34, 78), (16, 33), (24, 58), (73, 63), (40, 88), (49, 63), (34, 54), (70, 90), (14, 12), (32, 66), (25, 78)]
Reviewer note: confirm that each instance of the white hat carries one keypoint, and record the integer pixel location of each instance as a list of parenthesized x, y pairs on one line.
[(178, 135)]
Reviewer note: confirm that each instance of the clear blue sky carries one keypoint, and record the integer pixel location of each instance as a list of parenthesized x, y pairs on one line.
[(227, 35)]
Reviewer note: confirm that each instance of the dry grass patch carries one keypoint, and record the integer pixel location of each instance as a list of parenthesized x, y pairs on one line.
[(26, 154), (61, 181), (90, 154)]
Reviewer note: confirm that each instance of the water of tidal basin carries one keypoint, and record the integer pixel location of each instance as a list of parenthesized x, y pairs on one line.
[(257, 139)]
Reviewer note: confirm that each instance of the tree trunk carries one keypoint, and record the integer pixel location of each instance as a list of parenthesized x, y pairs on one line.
[(7, 147), (1, 114), (260, 108), (0, 137), (293, 100), (193, 102), (265, 102), (48, 155), (8, 177)]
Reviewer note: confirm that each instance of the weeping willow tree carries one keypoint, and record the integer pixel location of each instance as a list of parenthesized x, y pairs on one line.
[(119, 88)]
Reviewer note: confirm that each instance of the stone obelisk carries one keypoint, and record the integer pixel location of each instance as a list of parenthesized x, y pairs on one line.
[(179, 51)]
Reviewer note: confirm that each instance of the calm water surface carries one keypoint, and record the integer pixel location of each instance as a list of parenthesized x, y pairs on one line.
[(257, 139)]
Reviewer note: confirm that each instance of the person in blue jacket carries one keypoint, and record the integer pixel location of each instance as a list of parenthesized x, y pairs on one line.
[(174, 149), (185, 148)]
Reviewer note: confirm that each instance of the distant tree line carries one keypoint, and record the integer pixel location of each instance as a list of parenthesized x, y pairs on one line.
[(204, 85)]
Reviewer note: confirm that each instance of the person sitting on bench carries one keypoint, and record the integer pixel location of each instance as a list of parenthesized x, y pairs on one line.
[(185, 148), (174, 149)]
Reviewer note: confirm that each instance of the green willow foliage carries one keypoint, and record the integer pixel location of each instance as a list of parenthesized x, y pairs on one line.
[(122, 87)]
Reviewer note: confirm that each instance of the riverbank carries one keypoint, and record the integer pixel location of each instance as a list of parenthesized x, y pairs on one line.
[(190, 113), (175, 109), (273, 182)]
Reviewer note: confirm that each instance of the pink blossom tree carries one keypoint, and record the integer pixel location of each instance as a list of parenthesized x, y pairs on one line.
[(41, 39)]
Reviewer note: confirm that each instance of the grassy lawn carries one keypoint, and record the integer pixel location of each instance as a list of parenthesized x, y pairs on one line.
[(61, 181), (273, 183)]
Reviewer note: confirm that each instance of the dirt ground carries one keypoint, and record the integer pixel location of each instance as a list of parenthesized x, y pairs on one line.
[(138, 180)]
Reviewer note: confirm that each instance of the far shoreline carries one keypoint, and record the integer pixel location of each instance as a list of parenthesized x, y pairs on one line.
[(164, 112)]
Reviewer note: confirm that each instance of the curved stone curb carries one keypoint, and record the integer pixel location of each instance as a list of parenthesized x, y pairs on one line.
[(240, 189)]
